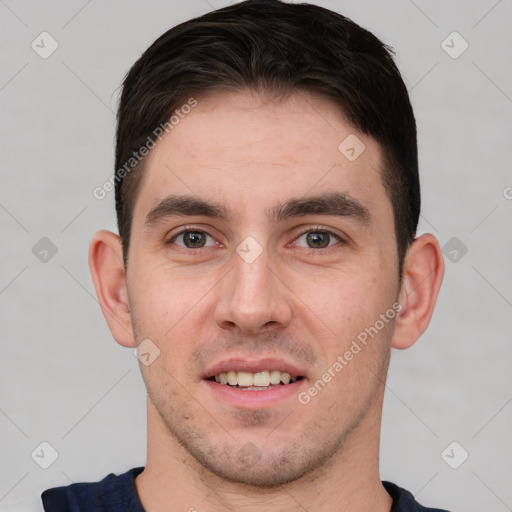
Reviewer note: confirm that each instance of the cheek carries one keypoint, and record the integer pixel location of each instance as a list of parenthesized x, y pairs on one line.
[(347, 302), (356, 346), (163, 301)]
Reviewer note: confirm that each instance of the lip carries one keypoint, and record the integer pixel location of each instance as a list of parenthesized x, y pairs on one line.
[(254, 366), (247, 399)]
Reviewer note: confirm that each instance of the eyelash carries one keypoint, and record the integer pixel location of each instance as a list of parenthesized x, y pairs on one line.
[(310, 229)]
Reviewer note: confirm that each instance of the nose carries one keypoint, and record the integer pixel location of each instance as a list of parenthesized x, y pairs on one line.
[(252, 298)]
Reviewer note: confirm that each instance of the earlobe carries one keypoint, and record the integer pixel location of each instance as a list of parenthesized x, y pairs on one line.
[(108, 275), (422, 277)]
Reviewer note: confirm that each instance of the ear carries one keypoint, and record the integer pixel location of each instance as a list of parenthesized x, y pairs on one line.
[(422, 277), (108, 275)]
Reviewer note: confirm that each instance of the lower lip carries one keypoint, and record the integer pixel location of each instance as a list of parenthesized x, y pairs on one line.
[(249, 399)]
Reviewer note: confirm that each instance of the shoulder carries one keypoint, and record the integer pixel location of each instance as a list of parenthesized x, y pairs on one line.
[(403, 500), (112, 493)]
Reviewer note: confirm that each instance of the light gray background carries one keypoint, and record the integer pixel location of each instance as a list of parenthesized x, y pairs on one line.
[(66, 381)]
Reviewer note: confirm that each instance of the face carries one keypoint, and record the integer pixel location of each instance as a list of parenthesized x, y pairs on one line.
[(259, 246)]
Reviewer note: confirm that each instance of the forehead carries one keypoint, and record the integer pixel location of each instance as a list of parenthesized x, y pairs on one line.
[(252, 152)]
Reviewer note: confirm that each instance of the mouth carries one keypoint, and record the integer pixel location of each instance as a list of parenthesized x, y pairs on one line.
[(258, 381), (254, 384)]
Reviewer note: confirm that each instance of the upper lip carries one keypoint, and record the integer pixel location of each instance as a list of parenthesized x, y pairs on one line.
[(254, 366)]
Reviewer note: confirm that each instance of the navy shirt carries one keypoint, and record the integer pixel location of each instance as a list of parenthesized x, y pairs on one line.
[(118, 494)]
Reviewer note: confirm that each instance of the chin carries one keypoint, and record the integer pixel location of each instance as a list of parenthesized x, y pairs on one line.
[(267, 473), (270, 467)]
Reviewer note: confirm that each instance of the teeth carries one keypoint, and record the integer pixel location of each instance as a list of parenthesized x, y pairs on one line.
[(261, 379), (232, 378), (275, 377), (245, 379), (285, 378)]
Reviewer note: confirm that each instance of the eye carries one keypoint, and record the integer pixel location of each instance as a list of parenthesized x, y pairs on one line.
[(192, 239), (318, 239)]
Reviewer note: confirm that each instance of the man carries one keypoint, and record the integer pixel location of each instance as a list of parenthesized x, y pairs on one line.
[(267, 198)]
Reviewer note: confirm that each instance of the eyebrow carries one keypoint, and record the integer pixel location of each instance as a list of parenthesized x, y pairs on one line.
[(334, 203)]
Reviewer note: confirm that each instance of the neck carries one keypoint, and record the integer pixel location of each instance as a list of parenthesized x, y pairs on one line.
[(349, 481)]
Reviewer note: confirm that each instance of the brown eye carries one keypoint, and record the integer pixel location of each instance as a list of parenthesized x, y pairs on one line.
[(317, 239), (192, 239)]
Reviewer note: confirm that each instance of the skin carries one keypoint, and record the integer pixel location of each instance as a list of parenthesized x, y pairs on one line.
[(296, 301)]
